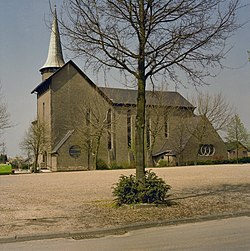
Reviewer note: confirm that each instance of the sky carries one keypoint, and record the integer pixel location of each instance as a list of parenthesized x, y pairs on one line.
[(24, 41)]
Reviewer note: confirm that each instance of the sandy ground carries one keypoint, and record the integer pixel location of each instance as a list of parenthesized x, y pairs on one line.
[(73, 201)]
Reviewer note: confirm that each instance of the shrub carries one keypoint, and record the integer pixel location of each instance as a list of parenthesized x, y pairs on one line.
[(244, 160), (163, 163), (130, 191), (115, 165), (123, 165), (25, 166), (226, 161), (101, 165)]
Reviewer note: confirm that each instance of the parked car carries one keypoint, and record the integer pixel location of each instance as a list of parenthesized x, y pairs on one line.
[(5, 169)]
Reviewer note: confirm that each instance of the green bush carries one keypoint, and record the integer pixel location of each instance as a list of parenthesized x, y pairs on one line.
[(101, 165), (163, 163), (220, 161), (130, 191), (25, 166), (115, 165), (244, 160), (124, 165)]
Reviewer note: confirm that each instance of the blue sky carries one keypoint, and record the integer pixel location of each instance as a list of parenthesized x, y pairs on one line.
[(24, 44)]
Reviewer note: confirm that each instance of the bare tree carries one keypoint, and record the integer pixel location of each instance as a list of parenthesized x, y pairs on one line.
[(35, 141), (180, 136), (145, 38), (237, 133), (215, 108), (211, 109), (4, 115), (158, 118), (96, 127), (154, 123), (95, 122)]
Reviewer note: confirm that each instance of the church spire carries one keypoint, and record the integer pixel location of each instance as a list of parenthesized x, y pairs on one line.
[(55, 57)]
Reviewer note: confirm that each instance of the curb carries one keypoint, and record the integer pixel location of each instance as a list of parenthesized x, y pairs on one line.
[(97, 233)]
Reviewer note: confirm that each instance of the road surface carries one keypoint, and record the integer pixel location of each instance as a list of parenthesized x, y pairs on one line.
[(228, 234)]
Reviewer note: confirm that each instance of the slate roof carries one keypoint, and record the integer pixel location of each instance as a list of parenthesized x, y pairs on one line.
[(47, 82), (129, 97), (119, 96)]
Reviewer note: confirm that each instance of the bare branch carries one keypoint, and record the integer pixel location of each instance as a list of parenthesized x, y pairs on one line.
[(215, 108), (4, 114)]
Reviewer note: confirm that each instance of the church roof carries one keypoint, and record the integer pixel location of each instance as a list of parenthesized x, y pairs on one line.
[(55, 55), (119, 96), (62, 141), (161, 98)]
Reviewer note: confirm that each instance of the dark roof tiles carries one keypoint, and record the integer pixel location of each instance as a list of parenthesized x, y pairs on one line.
[(162, 98)]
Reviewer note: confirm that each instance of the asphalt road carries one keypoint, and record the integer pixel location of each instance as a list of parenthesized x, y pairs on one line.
[(228, 234)]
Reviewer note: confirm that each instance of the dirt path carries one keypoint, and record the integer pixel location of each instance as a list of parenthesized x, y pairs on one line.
[(35, 203)]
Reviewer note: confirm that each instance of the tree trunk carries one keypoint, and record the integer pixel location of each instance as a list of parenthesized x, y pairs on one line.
[(140, 135), (141, 100), (35, 163), (237, 153), (150, 158), (95, 159)]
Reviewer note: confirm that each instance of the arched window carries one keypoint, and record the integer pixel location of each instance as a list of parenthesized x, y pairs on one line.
[(43, 112), (129, 128), (166, 125), (148, 136), (87, 117), (109, 122)]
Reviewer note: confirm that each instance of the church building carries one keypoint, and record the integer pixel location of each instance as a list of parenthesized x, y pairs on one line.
[(86, 124)]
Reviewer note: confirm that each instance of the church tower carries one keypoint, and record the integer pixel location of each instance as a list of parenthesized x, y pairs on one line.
[(55, 57)]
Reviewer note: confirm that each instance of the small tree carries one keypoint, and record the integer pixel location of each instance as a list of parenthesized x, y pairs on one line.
[(155, 121), (35, 141), (17, 162), (180, 135), (210, 109), (94, 121), (92, 133), (158, 120), (237, 133)]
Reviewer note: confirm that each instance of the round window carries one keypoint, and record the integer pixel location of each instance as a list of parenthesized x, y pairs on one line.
[(206, 150), (75, 151)]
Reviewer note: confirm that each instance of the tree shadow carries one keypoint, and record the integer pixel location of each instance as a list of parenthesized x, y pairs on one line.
[(210, 190)]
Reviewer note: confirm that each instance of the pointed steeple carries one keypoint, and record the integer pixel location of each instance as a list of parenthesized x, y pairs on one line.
[(55, 57)]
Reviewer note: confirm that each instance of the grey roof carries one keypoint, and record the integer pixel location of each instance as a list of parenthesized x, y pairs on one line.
[(162, 98), (119, 96), (55, 55), (62, 141), (164, 152)]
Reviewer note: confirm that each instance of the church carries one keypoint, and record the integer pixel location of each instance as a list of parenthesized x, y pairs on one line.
[(87, 124)]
